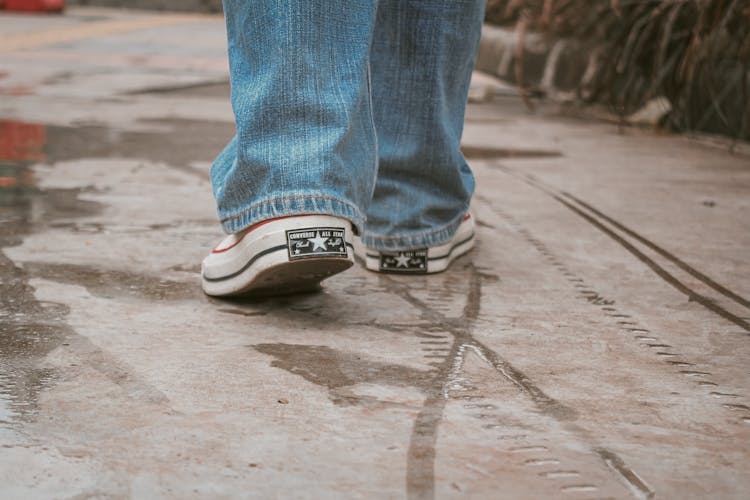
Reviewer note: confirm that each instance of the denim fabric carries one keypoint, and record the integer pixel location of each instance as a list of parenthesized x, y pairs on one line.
[(350, 108)]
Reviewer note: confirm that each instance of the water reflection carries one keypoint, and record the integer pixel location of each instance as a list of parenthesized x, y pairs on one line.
[(28, 330), (22, 141)]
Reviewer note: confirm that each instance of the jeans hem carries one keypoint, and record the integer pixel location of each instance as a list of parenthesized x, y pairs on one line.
[(416, 240), (292, 205)]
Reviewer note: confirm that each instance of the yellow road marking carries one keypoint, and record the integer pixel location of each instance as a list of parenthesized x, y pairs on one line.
[(54, 36)]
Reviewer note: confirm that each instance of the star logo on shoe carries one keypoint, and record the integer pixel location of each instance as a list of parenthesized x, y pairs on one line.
[(402, 260), (319, 242), (316, 242), (414, 261)]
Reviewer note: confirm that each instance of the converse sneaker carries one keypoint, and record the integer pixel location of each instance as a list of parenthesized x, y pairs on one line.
[(277, 256), (421, 261)]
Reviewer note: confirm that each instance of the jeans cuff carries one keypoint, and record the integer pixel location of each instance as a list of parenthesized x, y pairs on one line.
[(292, 205), (414, 240)]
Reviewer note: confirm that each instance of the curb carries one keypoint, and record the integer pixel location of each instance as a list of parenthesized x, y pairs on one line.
[(563, 70), (558, 68)]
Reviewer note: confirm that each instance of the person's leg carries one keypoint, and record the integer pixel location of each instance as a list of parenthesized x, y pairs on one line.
[(305, 140), (301, 168), (421, 60)]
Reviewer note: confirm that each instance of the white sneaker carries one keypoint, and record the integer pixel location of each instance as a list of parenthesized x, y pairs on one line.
[(422, 261), (278, 256)]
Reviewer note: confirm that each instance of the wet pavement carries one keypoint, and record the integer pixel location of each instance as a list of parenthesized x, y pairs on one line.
[(594, 345)]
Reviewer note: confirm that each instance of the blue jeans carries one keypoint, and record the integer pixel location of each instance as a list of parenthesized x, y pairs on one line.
[(351, 108)]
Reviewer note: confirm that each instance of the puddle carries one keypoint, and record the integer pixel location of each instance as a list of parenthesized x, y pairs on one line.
[(30, 329), (22, 141), (24, 207), (109, 284), (218, 90), (488, 153), (174, 144), (338, 370)]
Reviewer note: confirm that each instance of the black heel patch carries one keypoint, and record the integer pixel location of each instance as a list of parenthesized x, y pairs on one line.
[(413, 261), (316, 242)]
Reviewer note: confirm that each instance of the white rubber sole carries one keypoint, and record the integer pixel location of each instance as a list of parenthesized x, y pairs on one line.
[(421, 261), (288, 255)]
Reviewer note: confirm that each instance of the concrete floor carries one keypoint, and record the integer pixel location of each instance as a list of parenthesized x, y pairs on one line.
[(594, 345)]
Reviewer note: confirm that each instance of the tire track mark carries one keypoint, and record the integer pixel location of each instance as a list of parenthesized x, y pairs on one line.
[(665, 352), (664, 253), (420, 474), (665, 275)]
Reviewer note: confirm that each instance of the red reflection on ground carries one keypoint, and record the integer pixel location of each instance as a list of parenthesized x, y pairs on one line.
[(17, 90), (34, 5), (22, 141)]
